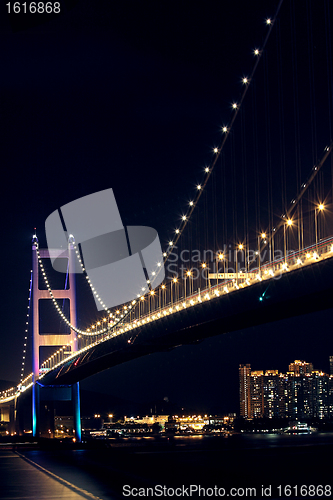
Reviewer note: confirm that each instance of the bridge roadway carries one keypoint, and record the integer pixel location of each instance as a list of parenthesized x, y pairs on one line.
[(300, 291)]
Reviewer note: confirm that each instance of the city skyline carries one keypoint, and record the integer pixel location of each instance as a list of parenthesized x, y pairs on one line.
[(302, 392)]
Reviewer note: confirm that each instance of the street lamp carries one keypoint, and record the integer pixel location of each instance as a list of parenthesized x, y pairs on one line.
[(151, 304), (205, 277), (240, 248), (188, 274), (288, 223), (262, 236), (162, 299), (219, 258), (173, 281), (320, 208)]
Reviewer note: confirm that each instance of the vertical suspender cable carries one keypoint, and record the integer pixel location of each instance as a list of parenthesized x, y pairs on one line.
[(297, 122)]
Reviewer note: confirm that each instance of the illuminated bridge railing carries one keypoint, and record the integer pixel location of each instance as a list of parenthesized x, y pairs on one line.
[(267, 271)]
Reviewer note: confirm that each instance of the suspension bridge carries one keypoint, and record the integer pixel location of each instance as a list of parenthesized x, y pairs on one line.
[(253, 244)]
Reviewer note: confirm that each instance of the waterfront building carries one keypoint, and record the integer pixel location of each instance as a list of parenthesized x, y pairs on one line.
[(149, 420), (299, 399), (257, 394), (244, 390), (330, 395), (320, 394), (271, 394)]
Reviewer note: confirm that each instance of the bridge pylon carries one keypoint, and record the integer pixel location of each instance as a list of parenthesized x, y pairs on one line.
[(41, 393)]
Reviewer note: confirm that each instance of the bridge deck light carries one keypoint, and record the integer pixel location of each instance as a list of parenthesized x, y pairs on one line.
[(256, 52), (320, 206)]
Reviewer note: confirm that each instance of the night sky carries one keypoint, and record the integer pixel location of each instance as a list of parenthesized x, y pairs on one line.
[(131, 96)]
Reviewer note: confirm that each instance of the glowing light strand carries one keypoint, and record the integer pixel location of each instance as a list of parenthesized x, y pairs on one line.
[(26, 331)]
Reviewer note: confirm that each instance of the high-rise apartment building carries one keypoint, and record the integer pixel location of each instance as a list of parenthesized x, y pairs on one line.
[(244, 391), (298, 400), (271, 394), (257, 394), (320, 394), (330, 395)]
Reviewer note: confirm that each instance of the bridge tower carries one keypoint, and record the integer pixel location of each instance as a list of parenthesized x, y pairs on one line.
[(53, 393)]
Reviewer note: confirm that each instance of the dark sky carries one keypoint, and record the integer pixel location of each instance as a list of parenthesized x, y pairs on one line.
[(131, 95)]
